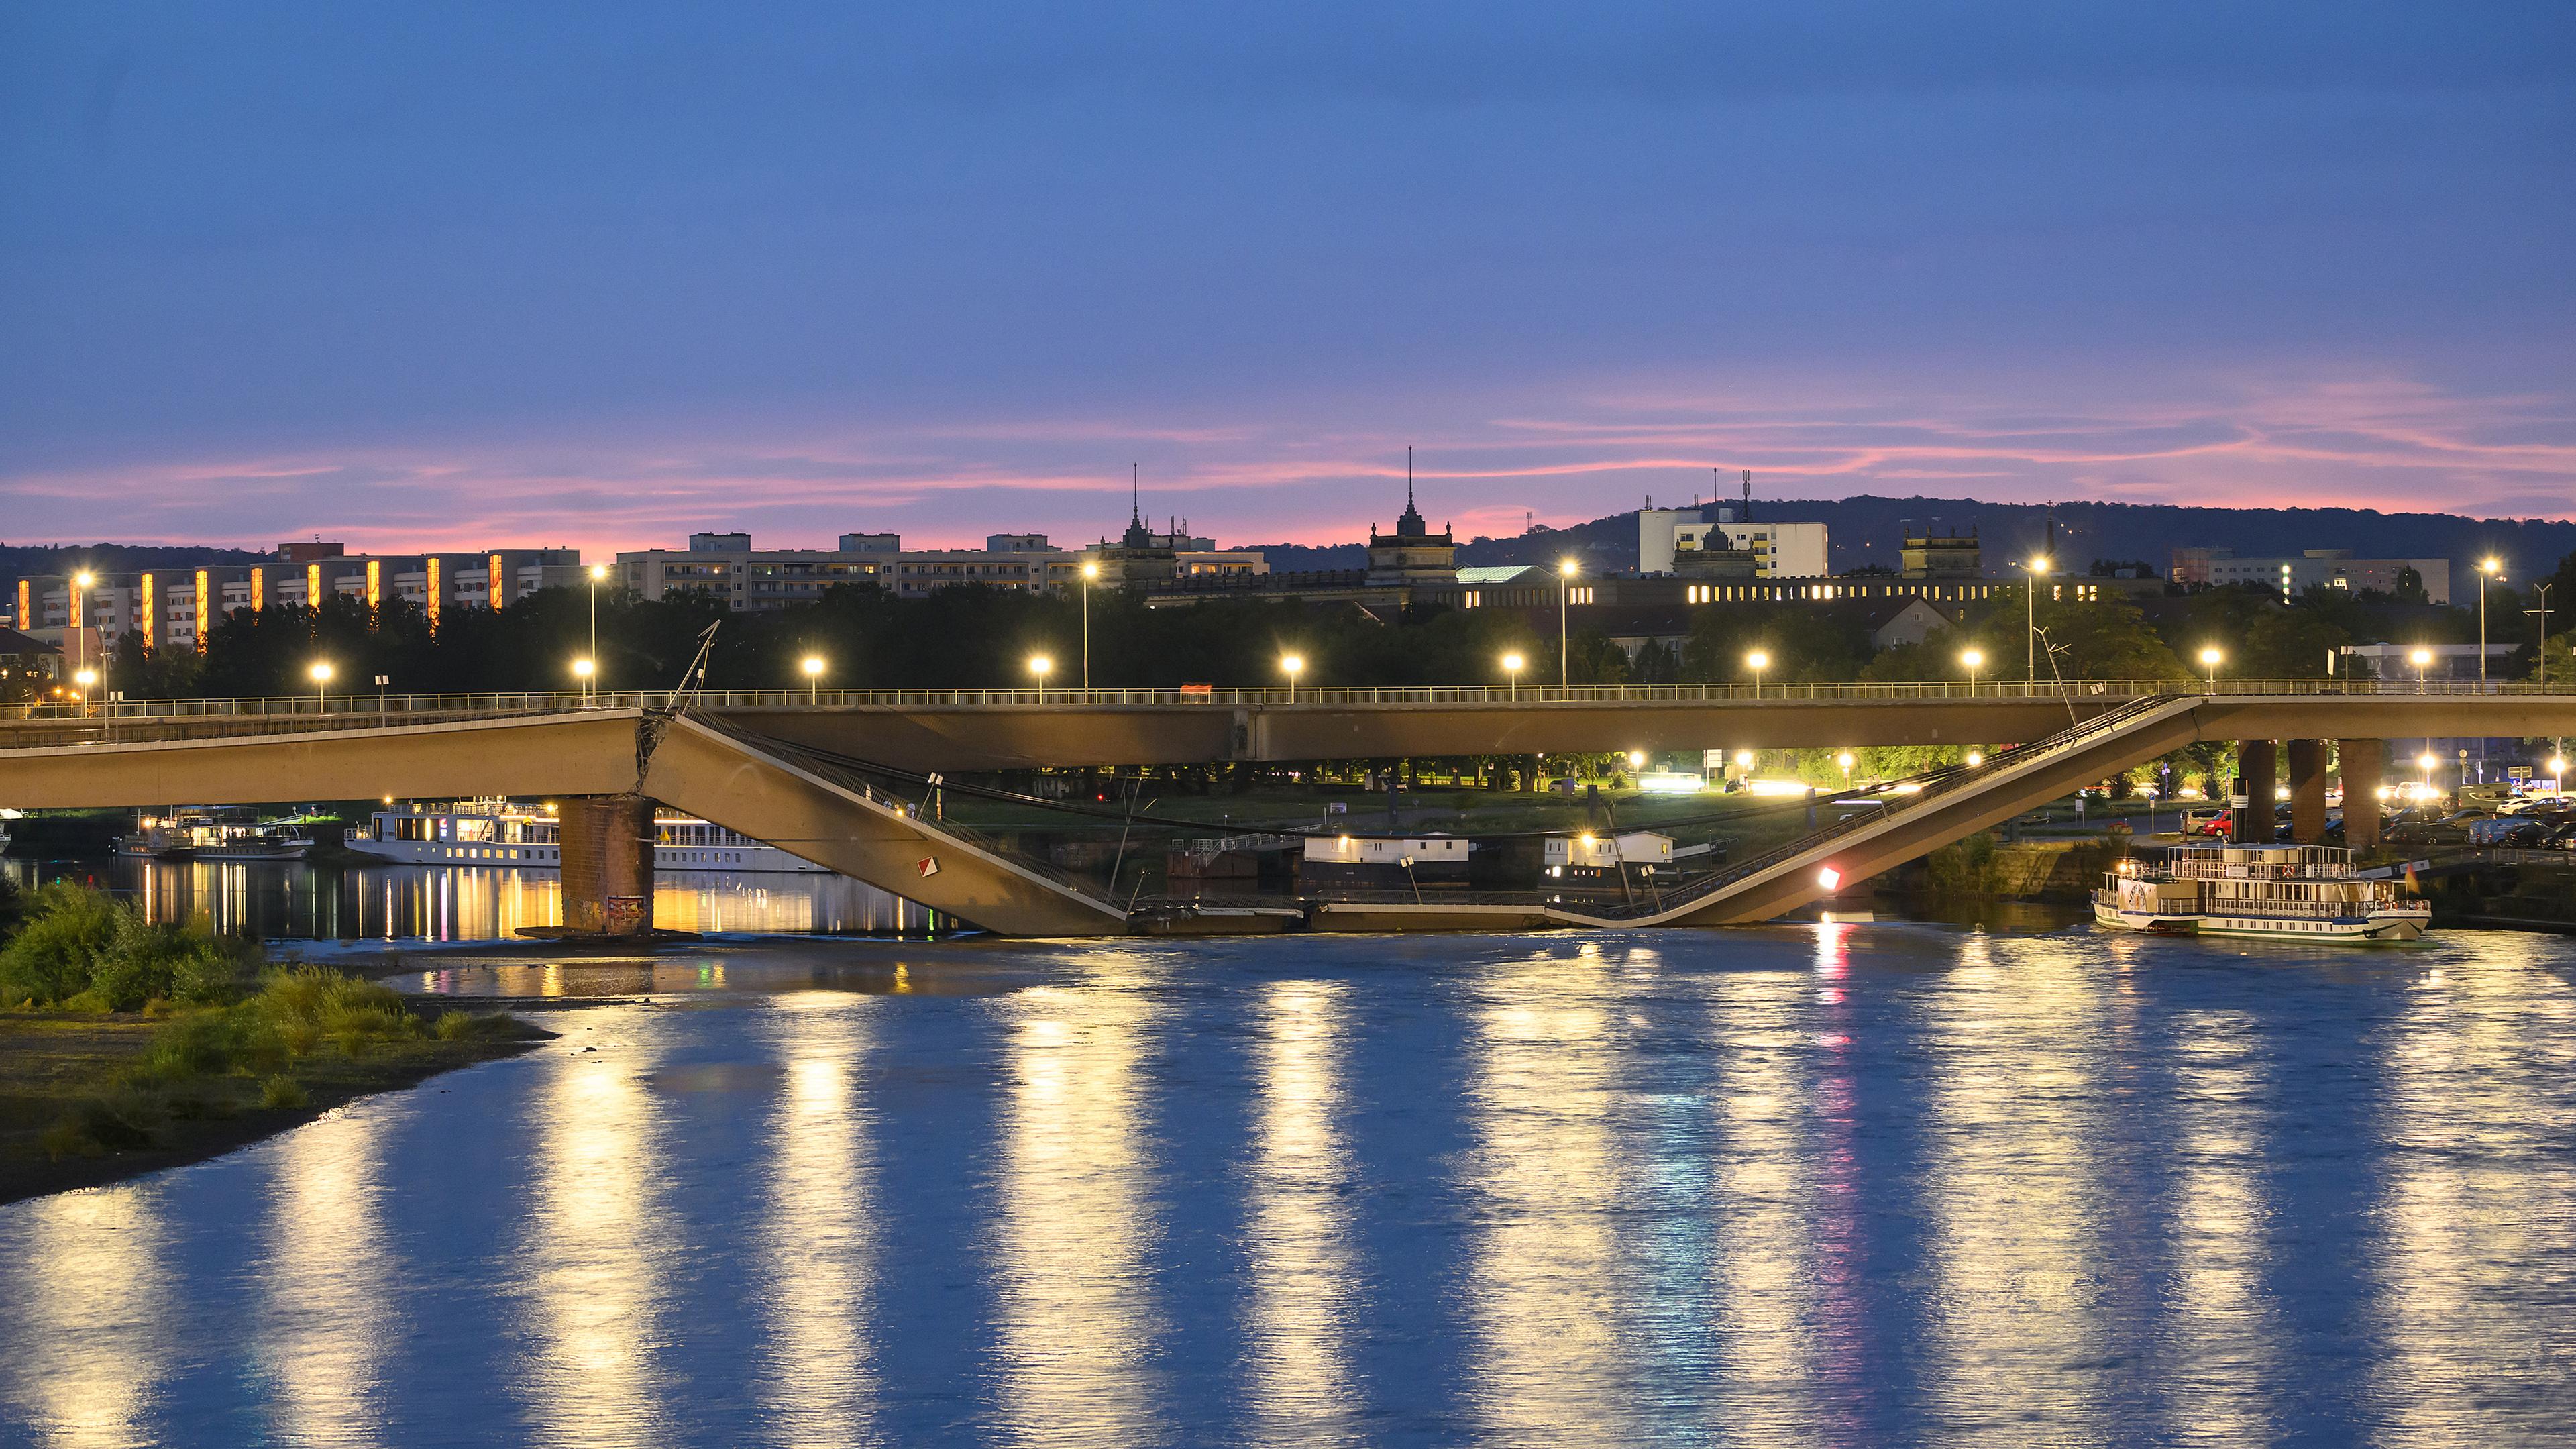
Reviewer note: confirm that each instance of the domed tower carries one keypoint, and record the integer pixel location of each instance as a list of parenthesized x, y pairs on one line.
[(1413, 554)]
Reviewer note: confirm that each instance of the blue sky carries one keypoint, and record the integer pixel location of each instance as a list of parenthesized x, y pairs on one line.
[(605, 275)]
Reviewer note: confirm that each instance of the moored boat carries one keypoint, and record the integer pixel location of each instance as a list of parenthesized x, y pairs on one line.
[(2266, 892), (501, 832)]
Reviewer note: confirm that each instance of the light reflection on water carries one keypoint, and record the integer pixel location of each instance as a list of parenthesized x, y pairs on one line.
[(1074, 1228), (596, 1353), (1551, 1360), (286, 900), (1298, 1220), (819, 1375), (1832, 1185), (326, 1277), (2016, 1188)]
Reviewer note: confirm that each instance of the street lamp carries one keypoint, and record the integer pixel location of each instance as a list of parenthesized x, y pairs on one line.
[(813, 667), (2557, 774), (320, 674), (1039, 664), (2487, 568), (2030, 618), (1845, 760), (1757, 661), (1512, 668), (1976, 758), (2209, 660), (1090, 571), (1974, 659), (582, 669), (2426, 761), (598, 572), (2422, 659), (1289, 664), (1565, 571), (85, 679)]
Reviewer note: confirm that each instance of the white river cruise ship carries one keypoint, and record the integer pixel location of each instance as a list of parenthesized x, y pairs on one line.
[(494, 832), (2272, 892)]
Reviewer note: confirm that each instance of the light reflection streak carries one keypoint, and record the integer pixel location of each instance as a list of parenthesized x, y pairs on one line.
[(2476, 1117), (1075, 1234), (1544, 1304), (323, 1277), (1299, 1223), (2015, 1194), (2225, 1326), (90, 1293), (1764, 1212), (595, 1293), (818, 1238)]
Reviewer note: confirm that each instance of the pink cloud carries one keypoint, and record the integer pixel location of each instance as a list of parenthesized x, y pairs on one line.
[(2373, 442)]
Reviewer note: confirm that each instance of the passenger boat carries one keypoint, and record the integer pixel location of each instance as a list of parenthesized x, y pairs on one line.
[(191, 832), (2268, 892), (499, 832)]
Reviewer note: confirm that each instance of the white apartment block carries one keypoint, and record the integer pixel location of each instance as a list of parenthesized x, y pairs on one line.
[(1780, 550)]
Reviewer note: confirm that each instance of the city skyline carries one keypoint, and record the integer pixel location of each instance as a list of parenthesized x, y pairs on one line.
[(543, 283)]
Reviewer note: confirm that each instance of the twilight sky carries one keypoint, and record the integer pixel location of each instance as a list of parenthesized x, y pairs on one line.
[(604, 275)]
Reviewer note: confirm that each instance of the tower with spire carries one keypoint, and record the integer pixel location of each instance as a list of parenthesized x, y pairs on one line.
[(1138, 557), (1413, 554)]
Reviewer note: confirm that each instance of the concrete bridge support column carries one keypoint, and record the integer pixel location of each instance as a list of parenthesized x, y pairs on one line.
[(2308, 791), (2255, 781), (2362, 760), (607, 843)]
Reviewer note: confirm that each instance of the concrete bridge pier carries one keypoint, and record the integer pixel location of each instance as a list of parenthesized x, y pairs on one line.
[(2361, 762), (2251, 802), (2308, 791), (607, 845)]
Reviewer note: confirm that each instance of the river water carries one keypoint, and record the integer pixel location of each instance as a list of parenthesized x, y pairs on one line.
[(1798, 1185)]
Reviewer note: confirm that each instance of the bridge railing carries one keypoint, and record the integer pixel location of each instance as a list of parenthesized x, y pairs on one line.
[(356, 708)]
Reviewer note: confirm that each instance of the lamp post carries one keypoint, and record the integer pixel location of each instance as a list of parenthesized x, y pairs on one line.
[(2486, 569), (1039, 664), (813, 667), (1289, 664), (2557, 774), (1757, 661), (86, 679), (1845, 760), (2426, 761), (2209, 660), (1512, 670), (381, 681), (2030, 620), (2542, 682), (597, 573), (2422, 659), (582, 669), (1565, 571), (320, 674), (1090, 571), (1974, 659)]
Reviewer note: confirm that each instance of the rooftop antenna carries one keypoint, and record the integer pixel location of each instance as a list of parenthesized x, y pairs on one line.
[(1136, 493), (1408, 477), (1748, 495)]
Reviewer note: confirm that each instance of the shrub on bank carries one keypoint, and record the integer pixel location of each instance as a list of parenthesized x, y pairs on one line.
[(84, 949)]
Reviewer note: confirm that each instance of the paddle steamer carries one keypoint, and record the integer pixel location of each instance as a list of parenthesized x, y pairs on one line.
[(2268, 892)]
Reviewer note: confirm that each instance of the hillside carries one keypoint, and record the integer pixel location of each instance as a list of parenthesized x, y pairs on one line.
[(1866, 529)]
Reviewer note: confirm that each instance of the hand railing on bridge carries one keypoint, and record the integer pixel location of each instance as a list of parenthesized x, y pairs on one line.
[(360, 708), (1933, 785)]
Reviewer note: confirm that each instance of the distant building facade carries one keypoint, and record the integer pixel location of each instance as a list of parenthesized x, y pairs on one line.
[(176, 608), (2327, 568)]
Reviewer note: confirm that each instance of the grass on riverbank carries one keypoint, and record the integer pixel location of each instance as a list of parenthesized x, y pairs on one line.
[(133, 1046)]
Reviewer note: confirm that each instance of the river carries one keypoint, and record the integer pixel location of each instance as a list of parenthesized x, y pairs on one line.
[(1796, 1185)]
